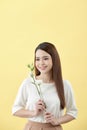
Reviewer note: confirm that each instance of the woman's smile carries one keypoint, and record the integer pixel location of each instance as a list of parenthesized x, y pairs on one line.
[(42, 67)]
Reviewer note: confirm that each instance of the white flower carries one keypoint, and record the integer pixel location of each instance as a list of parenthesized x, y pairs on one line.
[(30, 74), (37, 83)]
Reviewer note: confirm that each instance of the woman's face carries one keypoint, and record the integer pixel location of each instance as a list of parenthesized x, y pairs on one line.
[(43, 61)]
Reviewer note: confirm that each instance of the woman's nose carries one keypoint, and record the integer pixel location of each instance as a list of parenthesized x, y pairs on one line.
[(41, 62)]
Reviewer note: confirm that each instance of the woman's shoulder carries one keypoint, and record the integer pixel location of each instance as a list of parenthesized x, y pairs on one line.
[(67, 85), (25, 82), (24, 86), (66, 82)]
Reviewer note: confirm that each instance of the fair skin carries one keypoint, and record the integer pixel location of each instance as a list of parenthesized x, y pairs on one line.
[(44, 64)]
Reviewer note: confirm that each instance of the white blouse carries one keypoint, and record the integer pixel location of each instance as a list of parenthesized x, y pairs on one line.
[(27, 97)]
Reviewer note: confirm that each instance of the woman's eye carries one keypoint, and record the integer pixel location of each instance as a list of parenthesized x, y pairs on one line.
[(37, 59), (45, 58)]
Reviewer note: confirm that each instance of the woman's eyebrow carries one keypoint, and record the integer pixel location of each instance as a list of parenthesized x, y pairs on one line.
[(43, 57)]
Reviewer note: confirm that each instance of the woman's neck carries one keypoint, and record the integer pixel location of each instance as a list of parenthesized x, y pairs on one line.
[(46, 78)]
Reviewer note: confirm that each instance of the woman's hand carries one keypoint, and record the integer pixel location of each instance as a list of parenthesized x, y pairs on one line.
[(49, 117), (39, 108)]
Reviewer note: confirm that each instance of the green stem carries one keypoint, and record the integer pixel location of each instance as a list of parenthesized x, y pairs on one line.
[(36, 87)]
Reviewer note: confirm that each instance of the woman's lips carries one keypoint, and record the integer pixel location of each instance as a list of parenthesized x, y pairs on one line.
[(42, 68)]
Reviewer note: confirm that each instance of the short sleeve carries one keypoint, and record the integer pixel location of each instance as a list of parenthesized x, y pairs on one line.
[(21, 98), (71, 108)]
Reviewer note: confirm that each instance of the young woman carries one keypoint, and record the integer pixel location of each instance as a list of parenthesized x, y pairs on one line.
[(47, 113)]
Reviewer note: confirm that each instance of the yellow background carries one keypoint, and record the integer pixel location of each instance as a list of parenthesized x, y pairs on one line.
[(26, 23)]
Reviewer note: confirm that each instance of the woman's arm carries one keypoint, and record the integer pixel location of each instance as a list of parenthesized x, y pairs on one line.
[(54, 121), (24, 113), (39, 108), (64, 119)]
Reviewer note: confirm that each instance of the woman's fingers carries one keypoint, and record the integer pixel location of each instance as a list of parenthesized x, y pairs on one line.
[(41, 102), (48, 117), (40, 105)]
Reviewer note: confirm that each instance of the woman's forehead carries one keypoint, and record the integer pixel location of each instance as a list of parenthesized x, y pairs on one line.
[(42, 53)]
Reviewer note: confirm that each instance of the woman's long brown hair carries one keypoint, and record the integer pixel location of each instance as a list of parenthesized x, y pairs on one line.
[(56, 69)]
